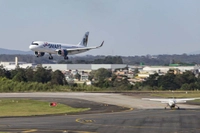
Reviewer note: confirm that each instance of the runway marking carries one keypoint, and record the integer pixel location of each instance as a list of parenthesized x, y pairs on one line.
[(29, 131), (38, 130), (81, 120), (84, 121)]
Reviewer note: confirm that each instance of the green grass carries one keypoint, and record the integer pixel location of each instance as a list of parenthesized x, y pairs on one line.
[(182, 94), (26, 107)]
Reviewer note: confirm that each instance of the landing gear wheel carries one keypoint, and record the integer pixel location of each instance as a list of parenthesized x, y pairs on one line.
[(66, 58), (50, 57)]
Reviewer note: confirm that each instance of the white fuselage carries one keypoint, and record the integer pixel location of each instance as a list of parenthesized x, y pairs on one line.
[(51, 47), (172, 103), (42, 47)]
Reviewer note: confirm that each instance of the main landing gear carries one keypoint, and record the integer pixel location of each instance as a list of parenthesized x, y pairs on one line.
[(177, 107), (167, 106), (50, 57), (172, 107), (66, 58)]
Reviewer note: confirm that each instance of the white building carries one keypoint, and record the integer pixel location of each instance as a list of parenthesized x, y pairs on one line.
[(83, 67), (165, 69), (14, 64), (149, 70)]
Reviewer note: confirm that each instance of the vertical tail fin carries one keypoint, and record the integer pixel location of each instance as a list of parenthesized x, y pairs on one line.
[(85, 39)]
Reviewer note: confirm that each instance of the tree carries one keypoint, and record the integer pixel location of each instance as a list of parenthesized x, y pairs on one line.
[(167, 82), (77, 76), (4, 72), (109, 60), (91, 75), (102, 74), (29, 74), (58, 78), (152, 80), (42, 75), (136, 71), (20, 75)]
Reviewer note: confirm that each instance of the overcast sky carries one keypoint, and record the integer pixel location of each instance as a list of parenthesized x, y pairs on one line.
[(128, 27)]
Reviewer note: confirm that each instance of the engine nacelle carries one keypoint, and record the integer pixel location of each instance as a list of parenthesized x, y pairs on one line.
[(39, 54), (62, 52), (172, 104)]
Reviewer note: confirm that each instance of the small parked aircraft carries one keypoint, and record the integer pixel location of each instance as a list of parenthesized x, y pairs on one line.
[(172, 102)]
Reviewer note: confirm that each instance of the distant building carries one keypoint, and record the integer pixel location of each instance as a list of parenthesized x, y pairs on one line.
[(165, 69), (161, 70), (14, 64), (83, 67)]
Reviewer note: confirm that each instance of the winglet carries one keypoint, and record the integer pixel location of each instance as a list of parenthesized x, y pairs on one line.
[(100, 45)]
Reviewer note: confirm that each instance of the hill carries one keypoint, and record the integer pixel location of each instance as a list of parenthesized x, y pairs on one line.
[(11, 52), (28, 56)]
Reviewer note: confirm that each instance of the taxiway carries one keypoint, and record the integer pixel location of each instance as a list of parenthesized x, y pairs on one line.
[(136, 117)]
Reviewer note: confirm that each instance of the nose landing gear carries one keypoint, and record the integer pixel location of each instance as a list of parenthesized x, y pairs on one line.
[(50, 57)]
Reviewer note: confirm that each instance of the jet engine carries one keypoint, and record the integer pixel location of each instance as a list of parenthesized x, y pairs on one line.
[(63, 52), (39, 54)]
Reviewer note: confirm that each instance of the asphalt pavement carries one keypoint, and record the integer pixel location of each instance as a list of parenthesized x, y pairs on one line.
[(130, 116)]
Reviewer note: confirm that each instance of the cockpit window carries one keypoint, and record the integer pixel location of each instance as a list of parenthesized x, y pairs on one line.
[(34, 43)]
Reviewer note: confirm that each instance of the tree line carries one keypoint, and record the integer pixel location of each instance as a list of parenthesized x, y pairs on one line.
[(39, 79), (170, 81), (183, 59), (106, 80), (105, 60), (40, 75), (43, 79)]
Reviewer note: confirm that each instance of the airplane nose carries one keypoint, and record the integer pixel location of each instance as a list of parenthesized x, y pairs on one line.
[(30, 47)]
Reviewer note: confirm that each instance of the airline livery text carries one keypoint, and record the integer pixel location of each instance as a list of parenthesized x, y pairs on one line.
[(56, 46)]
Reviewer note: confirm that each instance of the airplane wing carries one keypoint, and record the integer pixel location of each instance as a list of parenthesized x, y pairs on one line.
[(165, 100), (83, 49), (185, 99), (157, 99)]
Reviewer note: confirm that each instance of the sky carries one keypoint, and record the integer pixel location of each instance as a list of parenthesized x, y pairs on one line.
[(128, 27)]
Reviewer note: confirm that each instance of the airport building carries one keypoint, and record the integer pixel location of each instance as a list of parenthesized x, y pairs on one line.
[(14, 64), (70, 70), (146, 71), (165, 69), (83, 67)]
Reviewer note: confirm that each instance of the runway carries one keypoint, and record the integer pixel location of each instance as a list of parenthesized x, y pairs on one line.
[(139, 120)]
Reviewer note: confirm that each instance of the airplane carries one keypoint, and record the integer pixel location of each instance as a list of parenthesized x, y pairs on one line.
[(42, 47), (172, 102)]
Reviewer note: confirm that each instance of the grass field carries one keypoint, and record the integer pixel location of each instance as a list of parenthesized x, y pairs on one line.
[(177, 94), (27, 107)]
